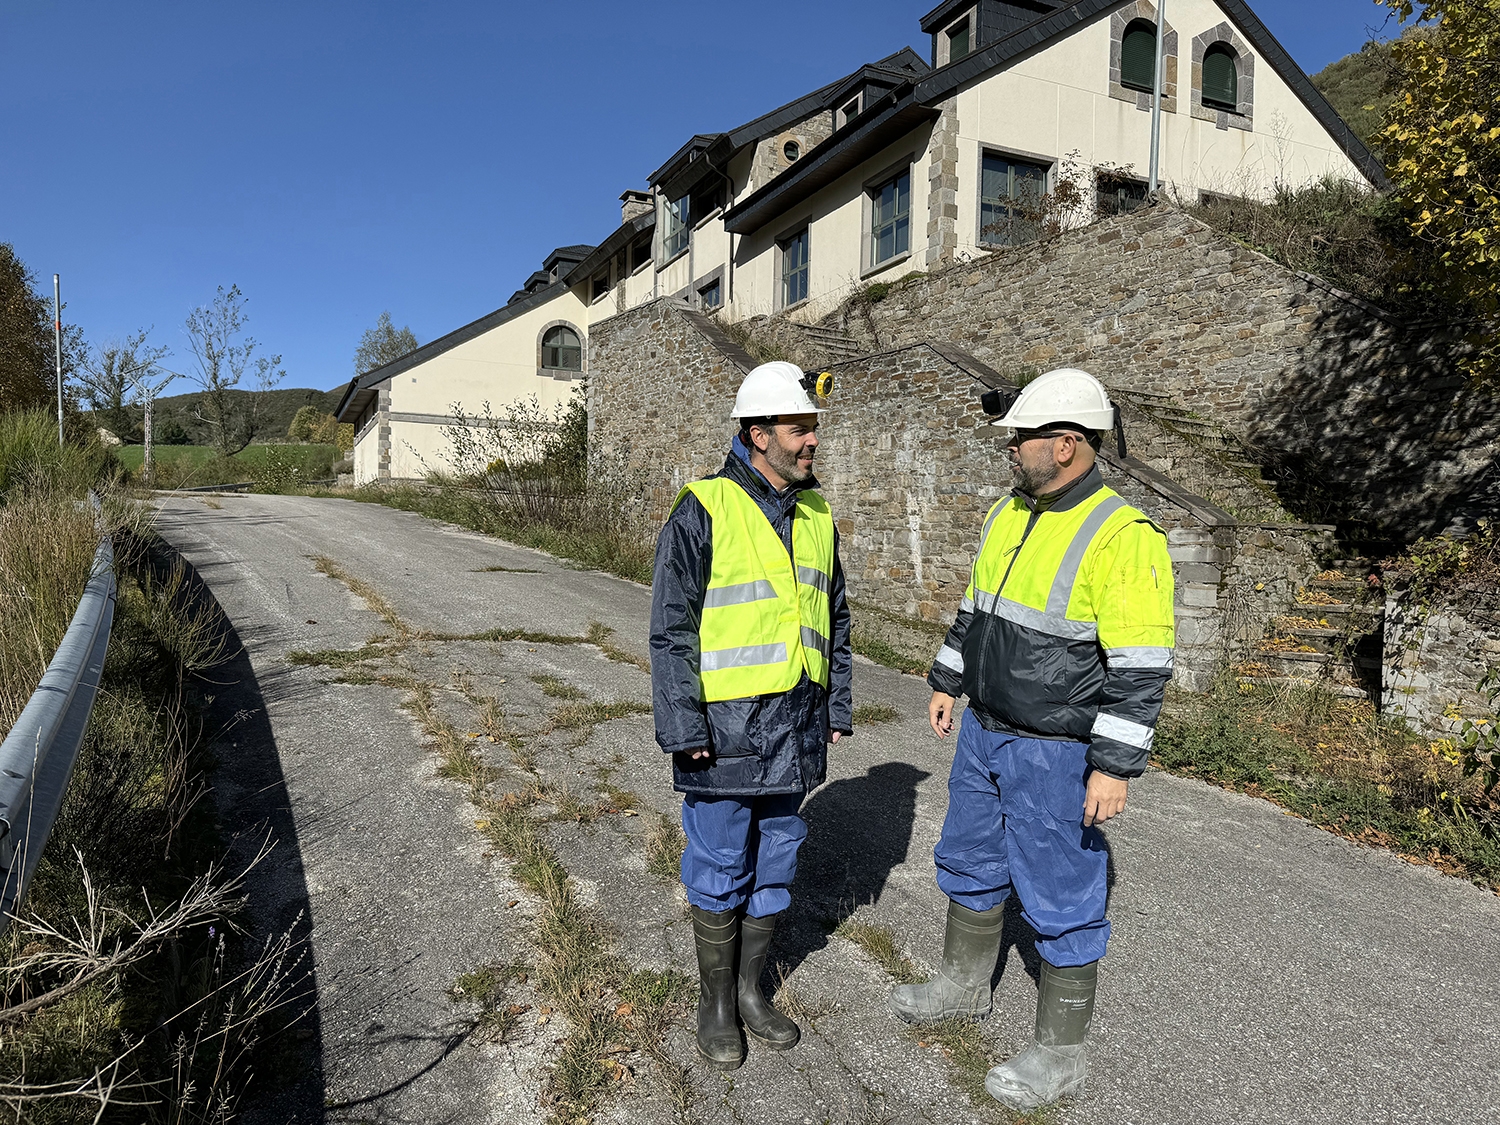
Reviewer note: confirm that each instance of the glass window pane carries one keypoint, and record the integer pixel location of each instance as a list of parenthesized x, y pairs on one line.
[(958, 41)]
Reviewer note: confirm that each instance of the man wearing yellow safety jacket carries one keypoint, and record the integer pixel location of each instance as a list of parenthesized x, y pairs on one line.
[(1063, 644), (750, 669)]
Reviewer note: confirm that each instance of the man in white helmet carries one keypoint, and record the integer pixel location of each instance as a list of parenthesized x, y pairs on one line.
[(1063, 644), (750, 670)]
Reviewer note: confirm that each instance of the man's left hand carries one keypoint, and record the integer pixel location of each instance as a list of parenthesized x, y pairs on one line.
[(1103, 798), (834, 736)]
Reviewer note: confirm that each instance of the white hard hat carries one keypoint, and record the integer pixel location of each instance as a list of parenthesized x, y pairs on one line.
[(772, 389), (1064, 395)]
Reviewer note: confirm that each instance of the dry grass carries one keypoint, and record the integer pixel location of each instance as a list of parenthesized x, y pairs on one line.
[(880, 944), (664, 845), (490, 988), (556, 688), (577, 716), (362, 589), (791, 1000), (875, 713)]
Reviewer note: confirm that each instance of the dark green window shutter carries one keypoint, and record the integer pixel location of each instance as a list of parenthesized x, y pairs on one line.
[(1138, 57), (1220, 82), (958, 41)]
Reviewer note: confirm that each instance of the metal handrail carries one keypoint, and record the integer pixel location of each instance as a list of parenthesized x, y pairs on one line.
[(38, 755)]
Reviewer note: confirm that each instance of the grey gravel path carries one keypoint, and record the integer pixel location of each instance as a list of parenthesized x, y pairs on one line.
[(1260, 970)]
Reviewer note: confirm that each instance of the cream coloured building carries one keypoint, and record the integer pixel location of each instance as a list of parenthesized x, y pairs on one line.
[(900, 166)]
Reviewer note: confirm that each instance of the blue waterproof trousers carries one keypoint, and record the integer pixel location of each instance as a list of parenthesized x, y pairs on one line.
[(1015, 821), (741, 850)]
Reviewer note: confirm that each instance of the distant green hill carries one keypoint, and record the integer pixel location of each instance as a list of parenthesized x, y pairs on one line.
[(176, 421), (1357, 87)]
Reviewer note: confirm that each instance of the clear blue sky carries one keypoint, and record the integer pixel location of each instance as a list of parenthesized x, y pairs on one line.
[(339, 158)]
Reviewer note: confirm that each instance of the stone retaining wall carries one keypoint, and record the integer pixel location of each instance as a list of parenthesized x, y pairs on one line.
[(910, 467), (1434, 659)]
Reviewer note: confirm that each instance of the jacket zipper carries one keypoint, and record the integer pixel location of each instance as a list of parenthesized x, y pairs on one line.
[(984, 635)]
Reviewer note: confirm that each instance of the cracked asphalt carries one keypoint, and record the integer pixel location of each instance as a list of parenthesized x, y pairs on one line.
[(1260, 970)]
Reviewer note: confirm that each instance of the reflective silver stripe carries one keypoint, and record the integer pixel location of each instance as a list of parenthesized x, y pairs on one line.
[(748, 657), (950, 658), (1053, 624), (967, 605), (757, 591), (1141, 656), (984, 601), (1067, 573), (810, 576), (811, 638), (1123, 730)]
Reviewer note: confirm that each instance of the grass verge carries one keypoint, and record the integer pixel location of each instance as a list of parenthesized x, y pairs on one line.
[(880, 944), (1335, 763)]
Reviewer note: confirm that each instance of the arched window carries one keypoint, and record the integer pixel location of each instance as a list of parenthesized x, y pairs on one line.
[(561, 350), (1221, 83), (1138, 56)]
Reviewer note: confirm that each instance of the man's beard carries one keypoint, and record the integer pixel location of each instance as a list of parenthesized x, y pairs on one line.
[(785, 463), (1034, 482)]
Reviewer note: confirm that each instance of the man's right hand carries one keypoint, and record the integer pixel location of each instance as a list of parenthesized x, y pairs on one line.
[(940, 714), (704, 753)]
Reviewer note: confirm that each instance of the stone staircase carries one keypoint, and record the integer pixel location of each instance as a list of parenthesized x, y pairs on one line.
[(1330, 637), (837, 346), (1214, 439)]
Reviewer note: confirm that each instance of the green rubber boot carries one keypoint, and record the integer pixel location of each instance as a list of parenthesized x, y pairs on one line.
[(1056, 1065), (971, 946), (760, 1018), (718, 1031)]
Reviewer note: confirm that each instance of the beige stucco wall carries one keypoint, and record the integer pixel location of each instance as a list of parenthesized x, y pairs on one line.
[(500, 367), (1057, 102), (837, 222)]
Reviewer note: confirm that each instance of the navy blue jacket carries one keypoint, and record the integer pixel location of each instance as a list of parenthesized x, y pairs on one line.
[(763, 745)]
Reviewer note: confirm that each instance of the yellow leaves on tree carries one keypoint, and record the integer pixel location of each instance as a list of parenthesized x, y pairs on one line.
[(1442, 142)]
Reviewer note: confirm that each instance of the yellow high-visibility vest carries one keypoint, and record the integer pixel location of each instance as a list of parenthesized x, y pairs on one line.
[(765, 620)]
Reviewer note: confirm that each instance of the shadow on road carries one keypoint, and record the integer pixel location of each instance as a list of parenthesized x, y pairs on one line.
[(859, 830), (251, 801)]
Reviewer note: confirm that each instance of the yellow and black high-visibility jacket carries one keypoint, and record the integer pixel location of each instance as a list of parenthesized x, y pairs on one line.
[(1066, 629)]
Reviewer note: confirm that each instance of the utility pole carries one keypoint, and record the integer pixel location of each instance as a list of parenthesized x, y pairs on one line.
[(1161, 60), (147, 393), (57, 326)]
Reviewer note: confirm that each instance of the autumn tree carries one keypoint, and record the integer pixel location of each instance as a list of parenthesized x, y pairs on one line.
[(381, 344), (1442, 143), (111, 372), (224, 355), (28, 357)]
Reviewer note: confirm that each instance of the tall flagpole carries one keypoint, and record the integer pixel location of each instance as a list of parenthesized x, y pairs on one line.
[(57, 328), (1161, 59)]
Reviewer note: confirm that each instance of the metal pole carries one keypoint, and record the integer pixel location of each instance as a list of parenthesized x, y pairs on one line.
[(1161, 58), (57, 327)]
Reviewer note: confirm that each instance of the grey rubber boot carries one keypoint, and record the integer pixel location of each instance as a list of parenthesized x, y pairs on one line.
[(1056, 1065), (718, 1031), (971, 946), (761, 1020)]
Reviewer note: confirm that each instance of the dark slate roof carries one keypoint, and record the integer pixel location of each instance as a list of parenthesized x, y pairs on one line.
[(362, 387), (900, 66), (566, 254), (624, 235), (905, 105)]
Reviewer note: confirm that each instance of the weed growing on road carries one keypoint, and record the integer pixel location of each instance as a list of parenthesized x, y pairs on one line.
[(875, 713), (490, 987), (880, 944), (362, 589), (664, 845), (577, 716), (505, 570), (791, 1000), (966, 1051), (337, 657), (599, 634), (556, 688)]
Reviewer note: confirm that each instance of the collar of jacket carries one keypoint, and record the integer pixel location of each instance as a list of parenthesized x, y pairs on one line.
[(737, 468), (1069, 496)]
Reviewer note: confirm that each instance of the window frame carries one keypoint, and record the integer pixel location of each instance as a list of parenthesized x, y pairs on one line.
[(1047, 164), (1226, 51), (964, 24), (842, 116), (942, 43), (679, 212), (636, 267), (596, 294), (1140, 23), (803, 231), (1102, 179), (870, 193), (541, 344)]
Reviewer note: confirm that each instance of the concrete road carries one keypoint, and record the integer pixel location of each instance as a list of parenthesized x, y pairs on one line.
[(1260, 970)]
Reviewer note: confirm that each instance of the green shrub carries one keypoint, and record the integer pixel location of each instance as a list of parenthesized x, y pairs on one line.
[(30, 454)]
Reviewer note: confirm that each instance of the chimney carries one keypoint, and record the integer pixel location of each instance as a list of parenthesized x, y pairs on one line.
[(634, 204)]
